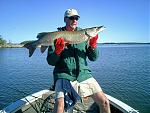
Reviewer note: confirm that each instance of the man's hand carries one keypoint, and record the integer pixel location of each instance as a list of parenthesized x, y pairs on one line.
[(93, 42), (59, 46)]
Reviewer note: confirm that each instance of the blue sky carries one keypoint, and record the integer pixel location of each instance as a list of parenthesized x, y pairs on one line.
[(125, 20)]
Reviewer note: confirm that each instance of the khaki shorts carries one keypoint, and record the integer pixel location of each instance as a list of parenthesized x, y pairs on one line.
[(84, 89)]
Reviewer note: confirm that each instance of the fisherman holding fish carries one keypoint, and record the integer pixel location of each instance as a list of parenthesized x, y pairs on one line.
[(71, 65)]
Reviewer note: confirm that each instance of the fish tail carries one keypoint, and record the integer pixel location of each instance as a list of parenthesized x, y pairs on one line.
[(31, 46)]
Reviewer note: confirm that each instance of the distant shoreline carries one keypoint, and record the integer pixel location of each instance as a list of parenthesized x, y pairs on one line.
[(124, 43), (11, 46)]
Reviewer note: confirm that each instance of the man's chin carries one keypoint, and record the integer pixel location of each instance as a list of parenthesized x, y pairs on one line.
[(74, 26)]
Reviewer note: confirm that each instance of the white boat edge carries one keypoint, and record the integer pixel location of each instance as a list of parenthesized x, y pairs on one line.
[(15, 106), (121, 105)]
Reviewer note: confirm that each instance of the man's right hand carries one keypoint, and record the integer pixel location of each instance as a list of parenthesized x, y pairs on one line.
[(59, 46)]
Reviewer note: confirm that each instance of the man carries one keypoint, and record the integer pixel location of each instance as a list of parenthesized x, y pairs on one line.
[(70, 63)]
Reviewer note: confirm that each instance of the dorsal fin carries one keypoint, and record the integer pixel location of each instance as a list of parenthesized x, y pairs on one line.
[(40, 35)]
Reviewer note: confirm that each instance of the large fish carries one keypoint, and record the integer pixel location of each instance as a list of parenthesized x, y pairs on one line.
[(46, 39)]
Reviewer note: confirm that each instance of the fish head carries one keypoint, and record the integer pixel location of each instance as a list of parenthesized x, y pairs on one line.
[(93, 31)]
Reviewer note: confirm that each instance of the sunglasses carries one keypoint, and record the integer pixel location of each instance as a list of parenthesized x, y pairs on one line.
[(73, 18)]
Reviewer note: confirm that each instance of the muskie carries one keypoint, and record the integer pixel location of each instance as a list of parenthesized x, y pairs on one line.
[(46, 39)]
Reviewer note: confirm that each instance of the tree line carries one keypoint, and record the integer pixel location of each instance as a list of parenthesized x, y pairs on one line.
[(2, 41)]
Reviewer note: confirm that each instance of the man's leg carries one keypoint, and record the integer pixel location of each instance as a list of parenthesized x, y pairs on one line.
[(59, 97), (91, 87), (102, 102), (59, 105)]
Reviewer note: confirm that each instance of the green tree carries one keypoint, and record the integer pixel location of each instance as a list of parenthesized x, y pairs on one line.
[(2, 41)]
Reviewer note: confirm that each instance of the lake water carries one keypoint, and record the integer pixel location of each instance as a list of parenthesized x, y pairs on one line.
[(123, 72)]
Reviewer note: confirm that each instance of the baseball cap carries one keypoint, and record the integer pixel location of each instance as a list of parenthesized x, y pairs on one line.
[(71, 12)]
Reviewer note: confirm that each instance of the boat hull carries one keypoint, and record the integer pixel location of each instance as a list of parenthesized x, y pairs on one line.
[(43, 102)]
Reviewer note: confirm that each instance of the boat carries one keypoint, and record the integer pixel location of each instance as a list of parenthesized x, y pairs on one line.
[(43, 102)]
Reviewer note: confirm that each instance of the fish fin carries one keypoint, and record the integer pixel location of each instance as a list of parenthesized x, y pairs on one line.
[(30, 47), (43, 48), (31, 51), (40, 35)]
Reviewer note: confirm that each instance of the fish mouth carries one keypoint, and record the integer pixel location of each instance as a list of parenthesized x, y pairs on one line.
[(101, 28)]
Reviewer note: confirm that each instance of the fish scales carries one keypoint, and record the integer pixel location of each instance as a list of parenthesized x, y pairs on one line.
[(69, 36)]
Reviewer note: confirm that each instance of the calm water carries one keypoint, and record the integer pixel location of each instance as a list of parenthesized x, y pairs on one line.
[(123, 72)]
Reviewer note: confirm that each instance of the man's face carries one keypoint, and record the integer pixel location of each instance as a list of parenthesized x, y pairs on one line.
[(72, 21)]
